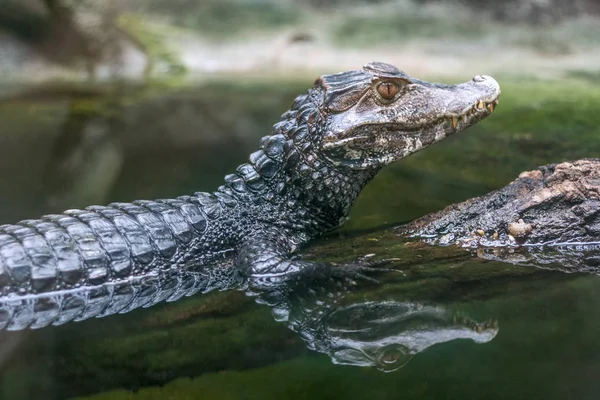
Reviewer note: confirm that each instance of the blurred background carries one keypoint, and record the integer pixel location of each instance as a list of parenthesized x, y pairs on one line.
[(105, 100), (117, 100)]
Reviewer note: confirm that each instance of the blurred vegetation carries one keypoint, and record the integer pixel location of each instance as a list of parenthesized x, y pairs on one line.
[(533, 11), (223, 18), (151, 37), (364, 30), (95, 36)]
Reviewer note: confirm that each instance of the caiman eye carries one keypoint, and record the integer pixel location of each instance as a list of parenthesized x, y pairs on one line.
[(388, 90)]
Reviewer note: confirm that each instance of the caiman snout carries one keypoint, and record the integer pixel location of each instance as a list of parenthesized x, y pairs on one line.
[(491, 83), (473, 101)]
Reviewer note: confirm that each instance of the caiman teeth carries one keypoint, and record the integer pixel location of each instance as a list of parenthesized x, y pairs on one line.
[(476, 109)]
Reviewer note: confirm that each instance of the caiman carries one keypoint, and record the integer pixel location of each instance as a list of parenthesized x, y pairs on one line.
[(299, 184), (548, 217)]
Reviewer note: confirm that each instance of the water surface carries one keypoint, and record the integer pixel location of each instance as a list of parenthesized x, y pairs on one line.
[(444, 324)]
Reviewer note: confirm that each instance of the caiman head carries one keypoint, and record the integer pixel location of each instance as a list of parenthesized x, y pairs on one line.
[(387, 334), (379, 114)]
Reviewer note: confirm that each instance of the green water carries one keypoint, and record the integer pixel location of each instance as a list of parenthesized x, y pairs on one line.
[(444, 324)]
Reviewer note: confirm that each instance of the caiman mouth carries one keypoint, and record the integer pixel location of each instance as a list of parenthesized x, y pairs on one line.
[(472, 114)]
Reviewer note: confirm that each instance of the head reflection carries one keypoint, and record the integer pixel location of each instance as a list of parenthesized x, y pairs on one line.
[(382, 334)]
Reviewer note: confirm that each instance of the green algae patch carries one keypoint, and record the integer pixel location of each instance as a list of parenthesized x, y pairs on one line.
[(169, 341), (272, 382)]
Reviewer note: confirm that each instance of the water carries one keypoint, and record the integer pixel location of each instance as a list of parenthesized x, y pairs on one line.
[(444, 324)]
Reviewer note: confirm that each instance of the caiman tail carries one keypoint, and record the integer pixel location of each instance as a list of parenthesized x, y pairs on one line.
[(100, 244)]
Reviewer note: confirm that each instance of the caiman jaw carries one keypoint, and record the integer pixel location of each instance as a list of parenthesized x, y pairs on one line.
[(480, 110)]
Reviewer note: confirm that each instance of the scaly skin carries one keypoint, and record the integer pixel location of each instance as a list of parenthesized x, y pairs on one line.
[(300, 184)]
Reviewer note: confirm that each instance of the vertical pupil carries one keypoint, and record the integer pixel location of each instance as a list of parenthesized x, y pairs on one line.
[(387, 89)]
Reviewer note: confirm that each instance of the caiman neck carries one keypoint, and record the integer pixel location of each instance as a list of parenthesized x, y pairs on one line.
[(288, 182)]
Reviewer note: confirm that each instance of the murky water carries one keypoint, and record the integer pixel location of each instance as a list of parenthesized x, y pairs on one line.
[(444, 324)]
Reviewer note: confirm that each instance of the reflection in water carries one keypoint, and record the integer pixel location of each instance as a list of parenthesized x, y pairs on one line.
[(58, 307), (385, 333), (584, 257), (412, 328), (85, 161)]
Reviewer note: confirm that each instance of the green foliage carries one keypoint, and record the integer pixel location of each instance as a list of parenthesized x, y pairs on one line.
[(152, 37), (589, 76), (397, 26), (225, 18)]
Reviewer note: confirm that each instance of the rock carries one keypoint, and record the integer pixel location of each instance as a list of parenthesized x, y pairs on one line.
[(553, 205)]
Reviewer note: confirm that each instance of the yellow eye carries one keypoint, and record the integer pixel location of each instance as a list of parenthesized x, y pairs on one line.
[(388, 90)]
